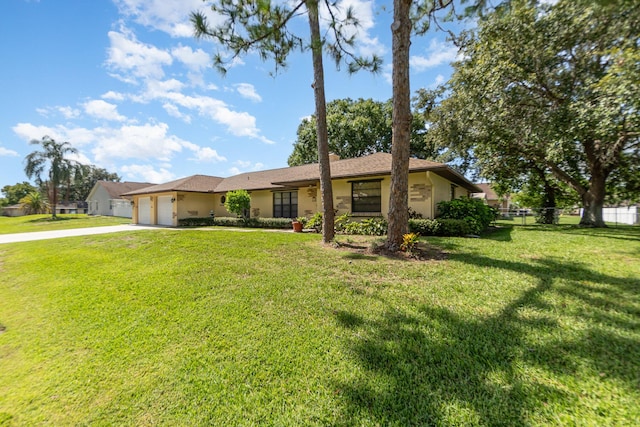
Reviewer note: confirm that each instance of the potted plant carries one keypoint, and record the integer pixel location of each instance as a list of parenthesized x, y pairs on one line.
[(298, 223)]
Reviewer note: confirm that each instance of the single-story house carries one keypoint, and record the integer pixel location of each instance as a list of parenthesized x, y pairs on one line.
[(105, 198), (64, 207), (491, 198), (360, 187), (14, 210)]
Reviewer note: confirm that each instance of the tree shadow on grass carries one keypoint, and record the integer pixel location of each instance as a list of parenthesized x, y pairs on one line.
[(433, 366), (499, 234)]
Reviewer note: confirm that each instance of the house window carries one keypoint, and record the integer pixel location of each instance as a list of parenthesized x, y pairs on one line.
[(366, 196), (453, 191), (285, 204)]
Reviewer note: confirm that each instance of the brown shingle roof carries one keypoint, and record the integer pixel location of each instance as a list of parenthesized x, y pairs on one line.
[(117, 189), (488, 191), (194, 183), (372, 165)]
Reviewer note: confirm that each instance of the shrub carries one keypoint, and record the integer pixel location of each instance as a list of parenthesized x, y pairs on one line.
[(425, 227), (409, 242), (368, 227), (453, 227), (475, 212), (315, 222), (196, 222), (341, 222), (238, 202)]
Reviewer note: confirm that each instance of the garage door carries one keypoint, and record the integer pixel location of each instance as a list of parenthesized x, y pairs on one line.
[(165, 210), (144, 210)]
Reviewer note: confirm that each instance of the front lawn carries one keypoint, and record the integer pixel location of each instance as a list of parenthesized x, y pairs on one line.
[(525, 326), (29, 223)]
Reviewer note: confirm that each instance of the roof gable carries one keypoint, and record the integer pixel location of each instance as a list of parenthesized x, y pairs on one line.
[(193, 183), (115, 190)]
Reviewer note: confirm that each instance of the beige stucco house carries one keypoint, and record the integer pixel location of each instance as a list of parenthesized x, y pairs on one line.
[(360, 187)]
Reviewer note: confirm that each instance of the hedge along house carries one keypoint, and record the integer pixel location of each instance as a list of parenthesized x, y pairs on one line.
[(360, 188)]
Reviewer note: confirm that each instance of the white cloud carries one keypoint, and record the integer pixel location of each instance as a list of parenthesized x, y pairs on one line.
[(194, 60), (247, 90), (103, 110), (170, 16), (133, 59), (149, 141), (28, 131), (113, 96), (67, 112), (204, 154), (438, 53), (8, 153), (147, 173), (245, 166), (237, 123), (173, 111)]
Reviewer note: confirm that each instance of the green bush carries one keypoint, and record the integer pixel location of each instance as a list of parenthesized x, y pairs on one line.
[(238, 202), (454, 227), (254, 222), (196, 222), (315, 222), (341, 222), (425, 227), (475, 212), (368, 227)]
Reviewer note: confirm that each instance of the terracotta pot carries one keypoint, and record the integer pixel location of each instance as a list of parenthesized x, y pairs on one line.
[(297, 226)]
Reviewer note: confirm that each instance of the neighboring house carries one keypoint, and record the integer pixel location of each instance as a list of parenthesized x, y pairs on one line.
[(14, 210), (360, 187), (492, 199), (105, 198), (71, 208)]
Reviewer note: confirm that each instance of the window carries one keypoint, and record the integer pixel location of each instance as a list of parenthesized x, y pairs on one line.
[(453, 191), (366, 196), (285, 204)]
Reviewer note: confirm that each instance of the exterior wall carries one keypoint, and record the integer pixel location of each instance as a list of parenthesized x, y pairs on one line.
[(421, 194), (261, 203), (99, 203), (194, 205), (122, 208), (441, 191), (309, 201), (461, 192)]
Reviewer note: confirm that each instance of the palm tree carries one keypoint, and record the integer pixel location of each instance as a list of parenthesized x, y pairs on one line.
[(34, 203), (52, 159)]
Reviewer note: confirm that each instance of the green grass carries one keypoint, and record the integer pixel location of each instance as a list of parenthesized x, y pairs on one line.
[(530, 325), (29, 223)]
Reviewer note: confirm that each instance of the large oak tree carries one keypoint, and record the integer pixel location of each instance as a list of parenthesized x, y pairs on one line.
[(357, 128), (553, 89)]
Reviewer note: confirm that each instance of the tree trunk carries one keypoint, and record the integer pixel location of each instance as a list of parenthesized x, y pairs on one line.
[(548, 215), (54, 202), (326, 190), (401, 126), (593, 201)]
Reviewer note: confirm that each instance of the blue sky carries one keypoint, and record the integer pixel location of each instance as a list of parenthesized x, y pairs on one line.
[(125, 83)]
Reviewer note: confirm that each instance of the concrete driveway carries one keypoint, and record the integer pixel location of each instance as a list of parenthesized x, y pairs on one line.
[(56, 234)]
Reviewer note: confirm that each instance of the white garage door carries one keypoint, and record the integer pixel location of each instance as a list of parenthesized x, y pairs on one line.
[(165, 210), (144, 210)]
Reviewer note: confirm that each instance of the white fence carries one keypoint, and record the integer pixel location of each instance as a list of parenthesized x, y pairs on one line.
[(621, 215)]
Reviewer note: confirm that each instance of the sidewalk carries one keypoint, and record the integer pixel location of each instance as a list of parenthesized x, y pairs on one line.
[(56, 234)]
